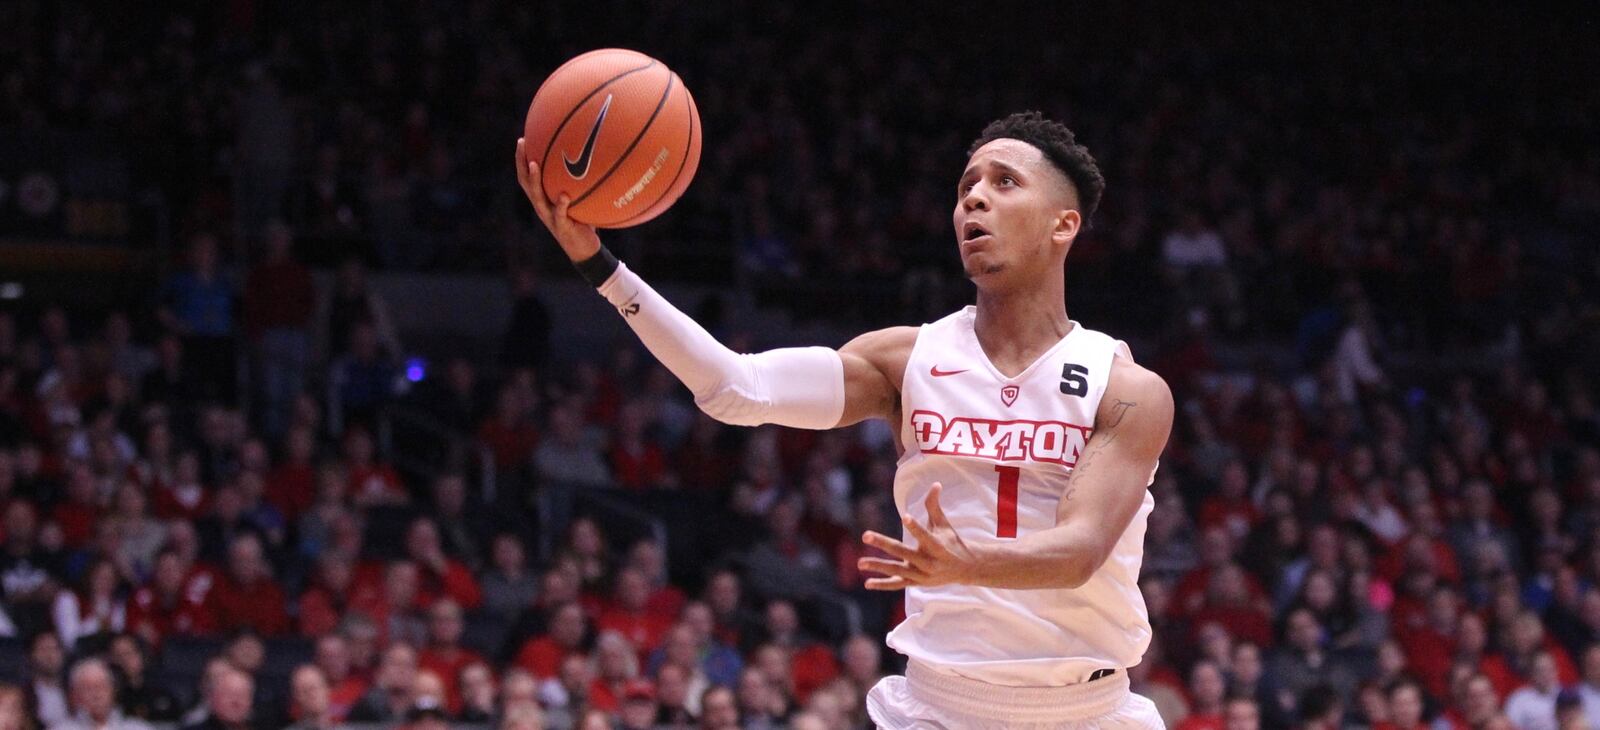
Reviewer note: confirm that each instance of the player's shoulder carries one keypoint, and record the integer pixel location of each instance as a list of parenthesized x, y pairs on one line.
[(887, 339), (1128, 378)]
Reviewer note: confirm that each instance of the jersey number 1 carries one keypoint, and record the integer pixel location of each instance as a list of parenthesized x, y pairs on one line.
[(1006, 501)]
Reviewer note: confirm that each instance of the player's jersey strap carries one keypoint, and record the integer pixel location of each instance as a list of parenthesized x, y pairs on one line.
[(1003, 447)]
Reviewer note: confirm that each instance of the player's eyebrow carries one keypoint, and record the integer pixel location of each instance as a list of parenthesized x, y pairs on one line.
[(1003, 167)]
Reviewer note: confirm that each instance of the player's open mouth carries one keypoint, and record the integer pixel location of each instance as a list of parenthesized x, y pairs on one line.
[(972, 232)]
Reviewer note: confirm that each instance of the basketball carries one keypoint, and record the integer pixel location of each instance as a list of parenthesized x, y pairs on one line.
[(618, 132)]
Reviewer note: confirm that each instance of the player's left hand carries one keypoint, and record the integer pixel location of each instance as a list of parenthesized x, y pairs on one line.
[(940, 557)]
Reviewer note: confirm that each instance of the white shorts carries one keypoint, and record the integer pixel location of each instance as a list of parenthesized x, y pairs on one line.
[(927, 700)]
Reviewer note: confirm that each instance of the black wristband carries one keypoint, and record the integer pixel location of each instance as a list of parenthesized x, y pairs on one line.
[(597, 268)]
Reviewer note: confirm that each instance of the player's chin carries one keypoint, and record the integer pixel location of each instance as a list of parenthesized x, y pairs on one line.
[(978, 269)]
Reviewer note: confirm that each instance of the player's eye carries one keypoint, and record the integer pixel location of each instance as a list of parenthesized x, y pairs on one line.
[(1007, 180)]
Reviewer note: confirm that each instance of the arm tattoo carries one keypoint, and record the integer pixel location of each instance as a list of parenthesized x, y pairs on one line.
[(1118, 411)]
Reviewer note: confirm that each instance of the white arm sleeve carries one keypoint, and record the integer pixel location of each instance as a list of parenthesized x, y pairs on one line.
[(798, 386)]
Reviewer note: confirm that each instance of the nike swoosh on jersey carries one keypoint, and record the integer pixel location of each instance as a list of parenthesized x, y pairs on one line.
[(580, 167), (937, 373)]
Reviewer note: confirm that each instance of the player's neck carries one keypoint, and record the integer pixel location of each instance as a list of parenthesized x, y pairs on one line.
[(1015, 327)]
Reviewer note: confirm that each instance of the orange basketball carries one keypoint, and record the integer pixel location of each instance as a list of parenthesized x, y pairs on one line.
[(616, 130)]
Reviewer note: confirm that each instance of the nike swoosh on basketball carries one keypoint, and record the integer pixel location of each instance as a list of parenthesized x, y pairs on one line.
[(580, 167), (937, 373)]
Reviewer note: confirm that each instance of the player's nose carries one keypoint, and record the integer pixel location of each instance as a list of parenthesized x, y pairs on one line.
[(974, 199)]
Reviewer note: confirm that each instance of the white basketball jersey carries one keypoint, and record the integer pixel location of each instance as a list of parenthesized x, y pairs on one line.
[(1002, 449)]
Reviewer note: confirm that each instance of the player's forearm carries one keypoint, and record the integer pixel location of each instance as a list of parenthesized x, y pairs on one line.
[(1053, 558), (801, 387)]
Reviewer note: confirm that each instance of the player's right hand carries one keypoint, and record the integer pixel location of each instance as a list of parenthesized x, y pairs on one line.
[(578, 240)]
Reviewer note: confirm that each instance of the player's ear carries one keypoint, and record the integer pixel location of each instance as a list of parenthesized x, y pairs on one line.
[(1068, 222)]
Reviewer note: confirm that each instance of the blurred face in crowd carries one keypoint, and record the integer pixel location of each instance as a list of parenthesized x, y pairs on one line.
[(633, 589), (697, 616), (1241, 714), (1304, 631), (754, 691), (1480, 702), (862, 658), (230, 697), (718, 710), (444, 623), (672, 685), (509, 557), (782, 620), (723, 593), (1405, 706), (244, 559), (519, 688), (1207, 686), (333, 657), (126, 656), (310, 690), (47, 657), (477, 686), (93, 689), (568, 625), (396, 668), (1246, 663), (427, 685), (400, 583)]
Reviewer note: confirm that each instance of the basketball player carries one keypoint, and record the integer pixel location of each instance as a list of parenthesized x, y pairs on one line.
[(1028, 441)]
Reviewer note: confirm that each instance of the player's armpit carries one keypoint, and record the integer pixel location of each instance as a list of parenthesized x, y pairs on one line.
[(1103, 494), (874, 368)]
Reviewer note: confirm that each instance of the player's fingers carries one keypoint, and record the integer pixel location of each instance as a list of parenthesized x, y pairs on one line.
[(936, 516), (535, 191), (891, 567), (889, 545), (563, 206), (888, 584), (925, 540)]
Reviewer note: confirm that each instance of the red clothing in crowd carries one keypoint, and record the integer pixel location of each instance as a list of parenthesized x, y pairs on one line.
[(278, 295), (188, 502), (811, 668), (638, 469), (666, 601), (376, 480), (319, 611), (344, 694), (1237, 516), (292, 488), (77, 522), (541, 657), (257, 606), (186, 614), (448, 663), (1244, 623), (457, 582), (511, 445), (644, 628), (1197, 721)]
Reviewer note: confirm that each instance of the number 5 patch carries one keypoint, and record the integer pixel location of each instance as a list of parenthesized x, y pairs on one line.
[(1074, 380)]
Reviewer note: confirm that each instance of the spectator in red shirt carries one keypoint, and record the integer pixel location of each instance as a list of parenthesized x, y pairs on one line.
[(629, 613), (541, 656), (616, 664), (440, 575), (1230, 508), (1228, 602), (344, 686), (77, 515), (637, 463), (279, 302), (292, 484), (394, 604), (168, 605), (444, 654), (372, 483), (184, 497), (1206, 690), (323, 603), (811, 663), (510, 433), (247, 597), (647, 557)]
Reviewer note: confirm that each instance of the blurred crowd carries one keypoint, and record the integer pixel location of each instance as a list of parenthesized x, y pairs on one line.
[(1367, 265)]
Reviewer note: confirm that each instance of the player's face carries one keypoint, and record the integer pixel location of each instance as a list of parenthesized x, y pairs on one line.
[(1012, 211)]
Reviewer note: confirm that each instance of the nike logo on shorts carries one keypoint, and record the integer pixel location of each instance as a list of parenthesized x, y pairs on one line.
[(580, 167)]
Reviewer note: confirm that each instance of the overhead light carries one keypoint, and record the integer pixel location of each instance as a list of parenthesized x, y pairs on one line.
[(11, 290)]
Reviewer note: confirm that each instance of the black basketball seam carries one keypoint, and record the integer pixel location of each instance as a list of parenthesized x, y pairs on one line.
[(545, 158), (635, 143), (688, 103)]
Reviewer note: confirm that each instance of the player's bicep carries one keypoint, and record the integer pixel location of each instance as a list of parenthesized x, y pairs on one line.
[(1108, 483), (874, 365)]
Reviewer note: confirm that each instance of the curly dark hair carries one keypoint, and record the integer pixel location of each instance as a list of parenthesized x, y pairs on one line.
[(1059, 146)]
